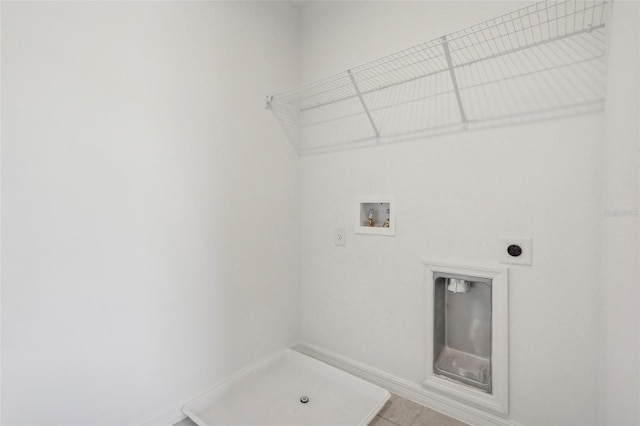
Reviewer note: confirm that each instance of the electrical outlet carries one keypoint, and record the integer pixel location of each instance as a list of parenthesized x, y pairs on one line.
[(338, 237), (515, 250)]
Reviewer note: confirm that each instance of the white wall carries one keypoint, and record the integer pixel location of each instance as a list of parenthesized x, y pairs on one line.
[(150, 211), (149, 245), (455, 195), (620, 391)]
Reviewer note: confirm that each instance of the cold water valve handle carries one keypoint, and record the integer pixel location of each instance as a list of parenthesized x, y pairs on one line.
[(370, 221)]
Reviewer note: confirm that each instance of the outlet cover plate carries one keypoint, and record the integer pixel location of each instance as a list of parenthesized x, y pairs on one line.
[(525, 257)]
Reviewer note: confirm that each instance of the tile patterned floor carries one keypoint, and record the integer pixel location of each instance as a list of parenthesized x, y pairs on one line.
[(397, 412)]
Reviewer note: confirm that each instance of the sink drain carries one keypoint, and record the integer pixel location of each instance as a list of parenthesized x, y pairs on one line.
[(304, 399)]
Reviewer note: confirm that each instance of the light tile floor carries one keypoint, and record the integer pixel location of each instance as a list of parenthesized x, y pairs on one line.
[(397, 412)]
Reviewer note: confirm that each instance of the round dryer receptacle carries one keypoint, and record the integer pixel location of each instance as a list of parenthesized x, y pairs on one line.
[(514, 250)]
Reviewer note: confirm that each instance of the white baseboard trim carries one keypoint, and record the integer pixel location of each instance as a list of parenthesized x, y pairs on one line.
[(172, 414), (406, 389)]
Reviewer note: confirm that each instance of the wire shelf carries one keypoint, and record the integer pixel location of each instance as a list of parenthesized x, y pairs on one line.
[(543, 61)]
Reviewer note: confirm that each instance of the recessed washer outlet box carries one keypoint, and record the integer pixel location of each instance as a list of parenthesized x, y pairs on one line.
[(467, 333), (515, 250), (375, 215)]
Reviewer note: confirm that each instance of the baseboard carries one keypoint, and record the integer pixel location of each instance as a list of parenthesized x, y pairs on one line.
[(406, 389), (172, 414)]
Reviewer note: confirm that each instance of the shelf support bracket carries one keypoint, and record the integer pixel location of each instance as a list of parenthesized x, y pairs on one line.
[(447, 54), (364, 105)]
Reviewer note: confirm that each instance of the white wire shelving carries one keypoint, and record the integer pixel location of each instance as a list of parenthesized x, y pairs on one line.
[(540, 62)]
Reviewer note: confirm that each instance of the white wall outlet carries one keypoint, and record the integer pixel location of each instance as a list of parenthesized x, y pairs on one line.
[(515, 250), (339, 237)]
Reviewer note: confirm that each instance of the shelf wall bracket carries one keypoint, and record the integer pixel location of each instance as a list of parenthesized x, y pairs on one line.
[(454, 81), (364, 105)]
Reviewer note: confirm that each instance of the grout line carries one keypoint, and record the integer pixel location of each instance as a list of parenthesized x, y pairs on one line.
[(387, 420), (418, 416), (397, 399)]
